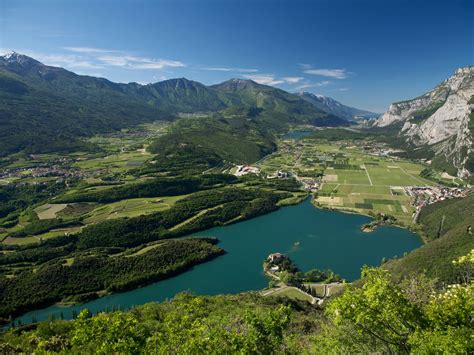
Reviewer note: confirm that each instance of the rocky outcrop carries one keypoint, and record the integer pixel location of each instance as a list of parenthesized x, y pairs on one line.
[(439, 119)]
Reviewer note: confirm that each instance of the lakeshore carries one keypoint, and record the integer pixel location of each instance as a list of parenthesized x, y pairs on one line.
[(327, 240)]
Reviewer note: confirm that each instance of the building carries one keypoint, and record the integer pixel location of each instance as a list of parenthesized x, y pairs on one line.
[(274, 257)]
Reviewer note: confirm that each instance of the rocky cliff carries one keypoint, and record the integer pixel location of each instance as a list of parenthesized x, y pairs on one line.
[(440, 120)]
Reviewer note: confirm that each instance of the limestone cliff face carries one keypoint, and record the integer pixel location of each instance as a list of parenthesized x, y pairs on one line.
[(439, 119)]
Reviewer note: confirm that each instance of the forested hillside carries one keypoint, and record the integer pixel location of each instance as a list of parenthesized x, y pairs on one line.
[(448, 227), (49, 109)]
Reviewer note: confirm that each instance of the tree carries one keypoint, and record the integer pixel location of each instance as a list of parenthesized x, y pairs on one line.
[(272, 283), (406, 317), (288, 278), (378, 309), (108, 333), (465, 266), (450, 315), (185, 329)]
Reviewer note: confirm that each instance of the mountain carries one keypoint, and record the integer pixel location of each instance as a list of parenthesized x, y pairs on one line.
[(179, 95), (329, 105), (282, 105), (439, 125), (46, 109), (243, 132)]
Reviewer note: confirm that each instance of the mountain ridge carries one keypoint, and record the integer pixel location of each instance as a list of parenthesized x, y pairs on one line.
[(439, 121), (336, 108), (41, 103)]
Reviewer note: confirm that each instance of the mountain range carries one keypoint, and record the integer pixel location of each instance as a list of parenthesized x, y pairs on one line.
[(50, 109), (438, 125), (331, 106), (45, 108)]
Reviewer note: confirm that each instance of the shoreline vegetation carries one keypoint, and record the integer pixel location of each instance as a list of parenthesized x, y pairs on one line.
[(285, 277), (94, 276), (377, 220)]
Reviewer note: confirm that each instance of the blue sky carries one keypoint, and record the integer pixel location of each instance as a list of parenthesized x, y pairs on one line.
[(364, 53)]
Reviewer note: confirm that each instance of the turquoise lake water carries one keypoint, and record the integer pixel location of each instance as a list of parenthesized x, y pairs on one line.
[(326, 240)]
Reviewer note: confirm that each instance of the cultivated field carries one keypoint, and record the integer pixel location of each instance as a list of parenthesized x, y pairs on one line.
[(351, 179)]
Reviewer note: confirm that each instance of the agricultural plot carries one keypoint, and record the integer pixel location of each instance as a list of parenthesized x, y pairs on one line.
[(20, 241), (49, 211), (376, 189), (59, 232), (130, 208), (393, 174), (357, 177), (115, 162), (352, 180)]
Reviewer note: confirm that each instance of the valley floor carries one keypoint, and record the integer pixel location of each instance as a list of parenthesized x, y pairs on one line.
[(112, 204)]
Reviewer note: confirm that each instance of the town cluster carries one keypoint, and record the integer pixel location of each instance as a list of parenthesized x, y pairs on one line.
[(380, 150), (308, 183), (60, 169), (426, 195)]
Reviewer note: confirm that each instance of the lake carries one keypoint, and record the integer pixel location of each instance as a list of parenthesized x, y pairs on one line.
[(324, 240)]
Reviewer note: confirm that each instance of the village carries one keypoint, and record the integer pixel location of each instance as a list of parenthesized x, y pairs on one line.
[(421, 196), (365, 178), (38, 173)]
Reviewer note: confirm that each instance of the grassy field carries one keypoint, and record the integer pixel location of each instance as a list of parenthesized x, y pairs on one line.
[(115, 163), (381, 192), (49, 211), (89, 212), (130, 208), (40, 237), (292, 293), (351, 179)]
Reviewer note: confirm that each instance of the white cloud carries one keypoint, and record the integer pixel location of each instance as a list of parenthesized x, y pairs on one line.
[(117, 58), (98, 58), (305, 66), (69, 61), (96, 74), (330, 73), (265, 79), (292, 79), (89, 50), (308, 85), (4, 50), (271, 79), (133, 62), (225, 69), (61, 60)]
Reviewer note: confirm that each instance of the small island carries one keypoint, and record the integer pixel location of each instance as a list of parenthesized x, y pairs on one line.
[(287, 280)]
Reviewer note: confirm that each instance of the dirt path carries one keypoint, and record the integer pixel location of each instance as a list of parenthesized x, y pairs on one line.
[(410, 175), (368, 176)]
